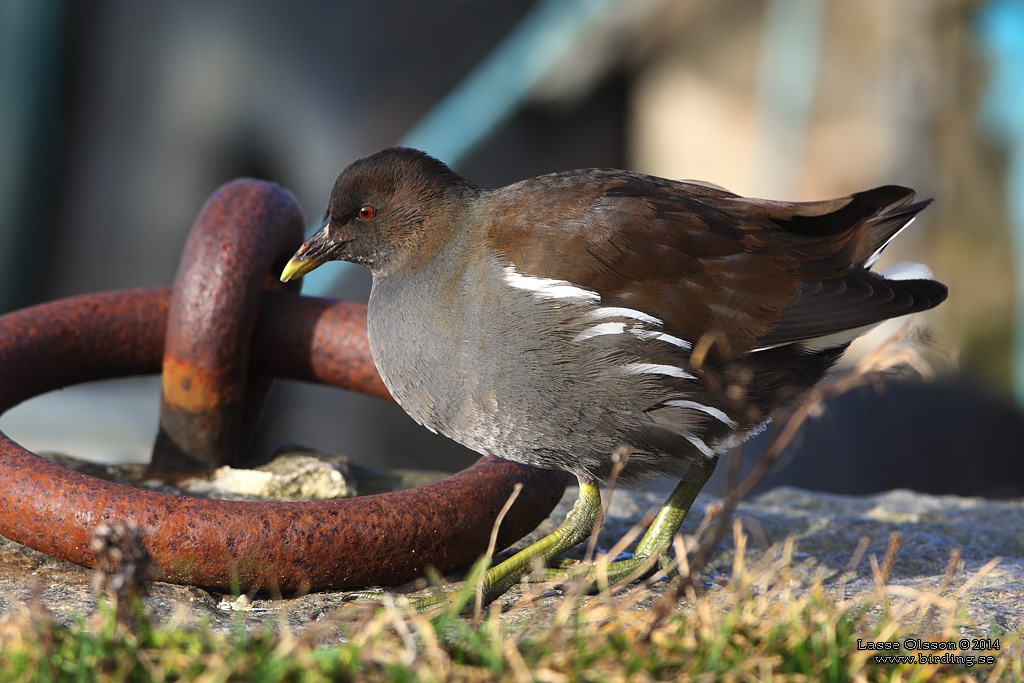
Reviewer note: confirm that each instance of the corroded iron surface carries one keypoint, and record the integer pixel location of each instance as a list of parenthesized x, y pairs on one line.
[(287, 546), (237, 246)]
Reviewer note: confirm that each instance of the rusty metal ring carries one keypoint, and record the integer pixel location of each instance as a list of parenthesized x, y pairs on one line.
[(385, 538), (209, 404)]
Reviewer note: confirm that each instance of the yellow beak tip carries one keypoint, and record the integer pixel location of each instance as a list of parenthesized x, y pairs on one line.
[(295, 268)]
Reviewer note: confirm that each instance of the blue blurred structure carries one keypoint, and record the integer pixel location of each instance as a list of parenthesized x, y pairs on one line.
[(491, 93), (1000, 28), (787, 81), (29, 124), (497, 87)]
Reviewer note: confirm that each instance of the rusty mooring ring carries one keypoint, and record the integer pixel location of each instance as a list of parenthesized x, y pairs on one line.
[(210, 403), (385, 538)]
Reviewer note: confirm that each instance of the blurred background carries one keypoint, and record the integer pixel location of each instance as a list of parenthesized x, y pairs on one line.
[(118, 119)]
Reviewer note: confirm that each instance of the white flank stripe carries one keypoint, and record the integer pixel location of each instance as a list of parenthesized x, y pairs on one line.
[(874, 257), (710, 410), (661, 336), (548, 288), (831, 341), (700, 445), (615, 312), (599, 329), (825, 342), (655, 369)]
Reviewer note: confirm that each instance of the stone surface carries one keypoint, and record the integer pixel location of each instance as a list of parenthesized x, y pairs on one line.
[(292, 476), (826, 531)]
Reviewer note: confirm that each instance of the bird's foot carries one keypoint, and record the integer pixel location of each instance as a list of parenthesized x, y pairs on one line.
[(588, 578), (484, 585), (438, 598), (480, 589)]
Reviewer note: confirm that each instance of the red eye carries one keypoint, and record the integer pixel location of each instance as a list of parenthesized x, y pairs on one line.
[(366, 212)]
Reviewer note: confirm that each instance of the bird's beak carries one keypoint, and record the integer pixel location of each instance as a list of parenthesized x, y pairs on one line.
[(312, 254)]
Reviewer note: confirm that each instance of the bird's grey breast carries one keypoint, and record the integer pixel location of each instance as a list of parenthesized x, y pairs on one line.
[(491, 366), (527, 364)]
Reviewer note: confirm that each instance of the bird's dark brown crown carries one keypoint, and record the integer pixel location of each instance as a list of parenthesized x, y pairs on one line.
[(381, 207)]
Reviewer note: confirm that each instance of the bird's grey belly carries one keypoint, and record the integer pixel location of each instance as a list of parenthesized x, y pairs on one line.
[(501, 375), (541, 377), (473, 381)]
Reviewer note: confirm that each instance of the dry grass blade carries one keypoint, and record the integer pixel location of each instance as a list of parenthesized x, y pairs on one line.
[(478, 605), (619, 460)]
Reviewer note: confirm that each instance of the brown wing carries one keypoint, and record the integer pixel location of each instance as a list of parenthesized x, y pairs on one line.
[(700, 258)]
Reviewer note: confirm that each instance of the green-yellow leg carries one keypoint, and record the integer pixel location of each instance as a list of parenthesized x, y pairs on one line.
[(651, 551), (653, 546), (576, 528)]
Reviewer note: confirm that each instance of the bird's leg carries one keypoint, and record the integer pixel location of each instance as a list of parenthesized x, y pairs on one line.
[(574, 529), (651, 551), (577, 526)]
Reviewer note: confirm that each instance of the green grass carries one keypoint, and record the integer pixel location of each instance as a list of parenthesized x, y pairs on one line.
[(759, 626)]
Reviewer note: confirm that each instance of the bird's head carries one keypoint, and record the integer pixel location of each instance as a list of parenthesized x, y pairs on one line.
[(381, 208)]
